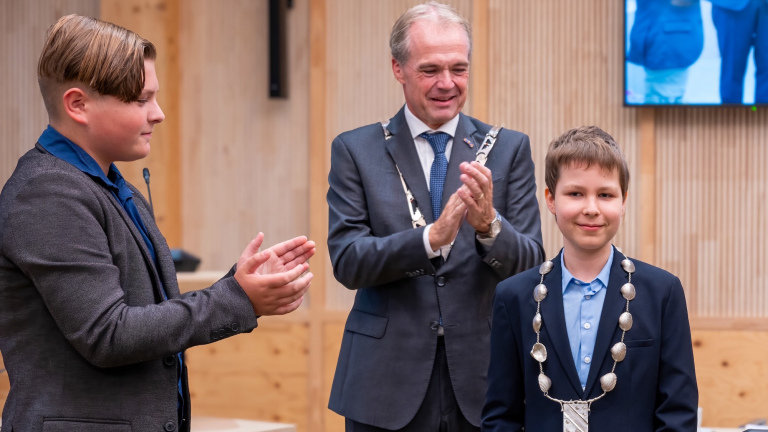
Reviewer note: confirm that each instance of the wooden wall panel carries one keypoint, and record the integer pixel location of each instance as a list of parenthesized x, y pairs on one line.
[(157, 21), (22, 35), (243, 155), (260, 376), (557, 65), (712, 214), (731, 370), (360, 87)]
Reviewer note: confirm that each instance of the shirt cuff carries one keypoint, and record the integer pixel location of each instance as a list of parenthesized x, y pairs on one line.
[(487, 243), (430, 253)]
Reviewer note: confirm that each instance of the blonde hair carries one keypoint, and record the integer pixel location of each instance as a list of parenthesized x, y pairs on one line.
[(102, 56), (399, 40), (585, 146)]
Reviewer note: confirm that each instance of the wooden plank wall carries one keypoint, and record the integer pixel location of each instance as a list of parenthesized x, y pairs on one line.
[(237, 162), (158, 21)]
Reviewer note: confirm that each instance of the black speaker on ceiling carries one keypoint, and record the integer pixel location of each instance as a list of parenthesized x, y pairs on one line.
[(278, 48)]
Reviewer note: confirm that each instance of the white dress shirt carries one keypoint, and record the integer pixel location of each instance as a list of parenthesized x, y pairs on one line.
[(426, 157)]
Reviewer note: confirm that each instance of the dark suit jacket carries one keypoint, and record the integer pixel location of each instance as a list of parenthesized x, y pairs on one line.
[(390, 336), (87, 340), (656, 389)]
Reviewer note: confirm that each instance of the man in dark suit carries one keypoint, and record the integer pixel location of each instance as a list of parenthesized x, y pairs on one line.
[(415, 347), (92, 324), (741, 25)]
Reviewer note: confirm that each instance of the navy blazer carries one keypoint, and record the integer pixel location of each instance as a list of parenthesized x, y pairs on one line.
[(390, 337), (656, 389)]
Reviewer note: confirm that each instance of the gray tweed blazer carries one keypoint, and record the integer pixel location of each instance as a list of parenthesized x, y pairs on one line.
[(87, 340)]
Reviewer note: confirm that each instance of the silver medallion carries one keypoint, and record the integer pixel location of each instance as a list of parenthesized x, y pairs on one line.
[(539, 352), (537, 322), (625, 321), (540, 292), (575, 417), (619, 351), (546, 267), (628, 265), (628, 291), (608, 381)]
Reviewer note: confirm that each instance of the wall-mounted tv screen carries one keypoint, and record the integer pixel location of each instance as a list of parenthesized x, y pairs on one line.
[(696, 52)]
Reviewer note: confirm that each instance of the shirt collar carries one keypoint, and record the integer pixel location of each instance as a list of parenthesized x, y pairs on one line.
[(418, 127), (63, 148), (603, 276)]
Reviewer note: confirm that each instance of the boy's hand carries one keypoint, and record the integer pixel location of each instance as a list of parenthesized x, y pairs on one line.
[(447, 225), (477, 195), (273, 278)]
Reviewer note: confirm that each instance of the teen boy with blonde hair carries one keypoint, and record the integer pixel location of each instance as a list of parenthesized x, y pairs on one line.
[(92, 323), (590, 340)]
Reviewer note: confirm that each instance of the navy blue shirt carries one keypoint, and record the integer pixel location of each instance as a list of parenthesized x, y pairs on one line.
[(61, 147)]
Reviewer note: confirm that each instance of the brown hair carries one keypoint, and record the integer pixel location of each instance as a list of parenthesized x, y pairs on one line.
[(106, 58), (587, 146)]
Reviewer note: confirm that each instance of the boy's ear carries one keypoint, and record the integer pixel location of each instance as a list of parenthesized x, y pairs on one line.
[(76, 105), (550, 197)]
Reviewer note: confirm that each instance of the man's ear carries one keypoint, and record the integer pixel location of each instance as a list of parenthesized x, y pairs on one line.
[(397, 69), (550, 197), (76, 103)]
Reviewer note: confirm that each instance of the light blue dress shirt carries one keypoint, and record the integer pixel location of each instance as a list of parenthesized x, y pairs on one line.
[(583, 305)]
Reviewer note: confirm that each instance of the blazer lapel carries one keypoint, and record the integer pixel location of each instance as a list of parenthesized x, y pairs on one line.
[(403, 151), (460, 152), (166, 270), (553, 316), (140, 241), (613, 307)]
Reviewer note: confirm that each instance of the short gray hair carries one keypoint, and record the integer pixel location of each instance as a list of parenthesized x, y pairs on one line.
[(399, 41)]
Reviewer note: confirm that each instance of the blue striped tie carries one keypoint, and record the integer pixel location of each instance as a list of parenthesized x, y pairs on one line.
[(438, 141)]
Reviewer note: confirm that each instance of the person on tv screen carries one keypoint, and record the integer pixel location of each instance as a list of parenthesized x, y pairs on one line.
[(667, 37), (741, 25)]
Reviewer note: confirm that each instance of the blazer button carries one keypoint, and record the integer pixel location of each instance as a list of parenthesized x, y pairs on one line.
[(170, 426), (169, 360), (434, 325), (440, 281)]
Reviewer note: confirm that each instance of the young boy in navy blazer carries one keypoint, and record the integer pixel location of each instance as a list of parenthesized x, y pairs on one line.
[(591, 340)]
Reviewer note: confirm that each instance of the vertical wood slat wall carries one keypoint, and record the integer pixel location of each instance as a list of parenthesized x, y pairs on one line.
[(551, 66)]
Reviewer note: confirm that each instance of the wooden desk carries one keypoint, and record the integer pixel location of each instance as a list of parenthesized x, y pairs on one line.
[(214, 424)]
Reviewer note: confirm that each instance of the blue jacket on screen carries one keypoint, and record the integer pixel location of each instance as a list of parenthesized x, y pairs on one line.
[(666, 36)]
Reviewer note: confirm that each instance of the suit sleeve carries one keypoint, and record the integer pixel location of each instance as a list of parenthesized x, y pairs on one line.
[(677, 395), (359, 258), (504, 409), (518, 246), (56, 233)]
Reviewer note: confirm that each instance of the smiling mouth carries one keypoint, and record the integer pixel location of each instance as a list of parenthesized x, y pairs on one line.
[(443, 100), (590, 227)]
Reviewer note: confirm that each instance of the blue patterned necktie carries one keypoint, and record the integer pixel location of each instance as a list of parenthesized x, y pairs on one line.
[(438, 141)]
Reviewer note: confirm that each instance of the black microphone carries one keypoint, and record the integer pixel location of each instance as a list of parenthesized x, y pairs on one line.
[(149, 192)]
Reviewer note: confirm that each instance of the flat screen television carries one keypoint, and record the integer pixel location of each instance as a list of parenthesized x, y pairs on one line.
[(695, 52)]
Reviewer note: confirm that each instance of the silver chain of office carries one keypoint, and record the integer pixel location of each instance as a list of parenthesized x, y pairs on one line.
[(576, 412)]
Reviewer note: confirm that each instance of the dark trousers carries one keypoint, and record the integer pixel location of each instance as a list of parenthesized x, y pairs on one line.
[(737, 33), (439, 412)]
